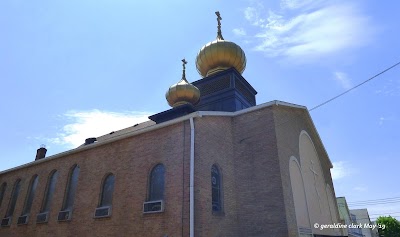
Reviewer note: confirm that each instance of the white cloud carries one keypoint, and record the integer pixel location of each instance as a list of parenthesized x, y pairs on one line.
[(250, 13), (360, 189), (253, 14), (340, 170), (343, 80), (383, 120), (239, 32), (94, 123), (309, 29), (390, 88), (296, 4)]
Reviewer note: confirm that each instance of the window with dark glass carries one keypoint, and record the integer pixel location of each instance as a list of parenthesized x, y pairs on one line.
[(30, 195), (14, 197), (107, 191), (51, 186), (157, 183), (71, 189), (216, 189), (2, 192)]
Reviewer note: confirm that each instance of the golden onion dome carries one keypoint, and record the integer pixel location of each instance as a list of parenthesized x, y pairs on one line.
[(220, 55), (182, 92)]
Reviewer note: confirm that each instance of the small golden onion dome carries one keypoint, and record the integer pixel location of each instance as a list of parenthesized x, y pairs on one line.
[(182, 92), (220, 55)]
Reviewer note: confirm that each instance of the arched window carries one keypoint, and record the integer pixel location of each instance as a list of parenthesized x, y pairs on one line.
[(157, 182), (11, 206), (2, 191), (14, 197), (216, 189), (48, 196), (71, 189), (107, 191), (30, 195)]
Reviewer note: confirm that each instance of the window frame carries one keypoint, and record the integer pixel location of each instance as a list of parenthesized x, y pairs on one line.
[(12, 203), (47, 198), (150, 195), (101, 194), (3, 189), (220, 190), (30, 195), (68, 189)]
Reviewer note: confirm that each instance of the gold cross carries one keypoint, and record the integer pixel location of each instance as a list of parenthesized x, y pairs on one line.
[(218, 17), (219, 33), (184, 62), (184, 69)]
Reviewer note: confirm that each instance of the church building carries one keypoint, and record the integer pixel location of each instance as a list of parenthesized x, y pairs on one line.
[(215, 164)]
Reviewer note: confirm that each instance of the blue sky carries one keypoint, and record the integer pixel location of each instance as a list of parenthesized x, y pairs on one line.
[(76, 69)]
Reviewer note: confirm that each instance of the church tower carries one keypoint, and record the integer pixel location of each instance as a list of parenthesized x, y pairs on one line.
[(182, 93), (220, 63)]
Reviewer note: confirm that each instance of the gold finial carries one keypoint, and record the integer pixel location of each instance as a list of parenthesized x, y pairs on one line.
[(219, 55), (182, 92), (184, 62), (219, 33)]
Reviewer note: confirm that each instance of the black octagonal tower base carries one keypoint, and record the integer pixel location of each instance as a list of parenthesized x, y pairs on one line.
[(225, 91)]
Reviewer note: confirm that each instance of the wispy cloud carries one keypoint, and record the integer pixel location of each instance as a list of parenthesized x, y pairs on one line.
[(305, 29), (383, 120), (253, 14), (295, 4), (340, 170), (390, 88), (360, 188), (343, 80), (84, 124), (239, 32)]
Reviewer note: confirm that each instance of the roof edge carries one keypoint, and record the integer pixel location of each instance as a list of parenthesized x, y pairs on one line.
[(165, 124), (116, 138)]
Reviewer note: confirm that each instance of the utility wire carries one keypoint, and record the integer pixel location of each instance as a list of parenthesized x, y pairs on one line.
[(373, 200), (362, 83), (366, 203), (373, 218), (326, 102), (385, 213), (372, 204)]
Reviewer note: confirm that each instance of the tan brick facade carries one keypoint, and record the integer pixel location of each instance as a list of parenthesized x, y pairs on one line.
[(251, 149)]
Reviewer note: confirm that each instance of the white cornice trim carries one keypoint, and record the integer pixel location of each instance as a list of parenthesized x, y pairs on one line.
[(162, 125)]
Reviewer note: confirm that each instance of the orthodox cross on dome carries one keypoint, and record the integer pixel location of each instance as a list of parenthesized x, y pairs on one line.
[(315, 184), (184, 62), (219, 18)]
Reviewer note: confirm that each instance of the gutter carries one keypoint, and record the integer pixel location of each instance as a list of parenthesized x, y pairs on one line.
[(191, 186)]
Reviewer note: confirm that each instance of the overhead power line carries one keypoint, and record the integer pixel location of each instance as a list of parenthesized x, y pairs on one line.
[(386, 213), (374, 218), (373, 200), (376, 203), (362, 83)]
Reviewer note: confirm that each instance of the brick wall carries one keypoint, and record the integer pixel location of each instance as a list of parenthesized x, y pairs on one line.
[(130, 160), (252, 151), (290, 123)]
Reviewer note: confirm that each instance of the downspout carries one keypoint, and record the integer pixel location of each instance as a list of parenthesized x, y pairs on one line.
[(191, 186)]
